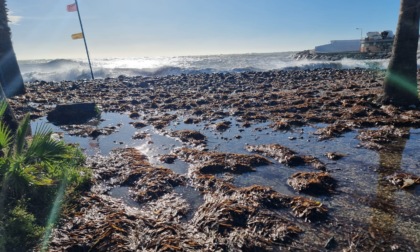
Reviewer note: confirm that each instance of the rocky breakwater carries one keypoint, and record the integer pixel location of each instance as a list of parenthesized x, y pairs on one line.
[(311, 55)]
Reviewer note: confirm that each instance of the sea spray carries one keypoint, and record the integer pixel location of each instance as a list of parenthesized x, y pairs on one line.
[(76, 69)]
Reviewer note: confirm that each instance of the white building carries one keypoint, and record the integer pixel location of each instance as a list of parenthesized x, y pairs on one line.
[(339, 46)]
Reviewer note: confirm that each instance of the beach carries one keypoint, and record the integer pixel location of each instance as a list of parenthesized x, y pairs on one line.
[(248, 161)]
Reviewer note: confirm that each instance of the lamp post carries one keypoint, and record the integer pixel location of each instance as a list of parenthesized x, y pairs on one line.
[(361, 38), (361, 33)]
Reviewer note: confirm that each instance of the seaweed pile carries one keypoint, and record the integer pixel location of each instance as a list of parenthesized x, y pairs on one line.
[(230, 217)]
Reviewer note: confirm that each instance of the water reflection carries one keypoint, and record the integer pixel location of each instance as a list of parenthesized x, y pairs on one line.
[(384, 208), (94, 145)]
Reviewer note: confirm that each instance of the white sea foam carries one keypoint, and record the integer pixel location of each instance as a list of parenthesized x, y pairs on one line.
[(64, 69)]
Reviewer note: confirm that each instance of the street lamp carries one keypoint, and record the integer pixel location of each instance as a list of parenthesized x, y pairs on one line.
[(361, 33), (361, 38)]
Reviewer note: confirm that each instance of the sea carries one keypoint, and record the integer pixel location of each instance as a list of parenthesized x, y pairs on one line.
[(77, 69)]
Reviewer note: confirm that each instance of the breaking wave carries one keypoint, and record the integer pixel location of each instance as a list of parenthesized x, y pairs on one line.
[(68, 69)]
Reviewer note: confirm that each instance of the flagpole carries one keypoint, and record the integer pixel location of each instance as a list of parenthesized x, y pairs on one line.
[(84, 39)]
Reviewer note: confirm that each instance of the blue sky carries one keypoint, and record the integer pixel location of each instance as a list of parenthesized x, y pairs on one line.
[(134, 28)]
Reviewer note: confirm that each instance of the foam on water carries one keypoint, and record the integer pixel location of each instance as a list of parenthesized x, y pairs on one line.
[(65, 69)]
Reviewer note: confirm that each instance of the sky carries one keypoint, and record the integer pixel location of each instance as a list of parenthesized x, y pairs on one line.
[(42, 29)]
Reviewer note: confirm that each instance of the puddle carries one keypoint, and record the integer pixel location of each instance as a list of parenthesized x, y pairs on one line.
[(193, 197), (362, 196), (122, 192)]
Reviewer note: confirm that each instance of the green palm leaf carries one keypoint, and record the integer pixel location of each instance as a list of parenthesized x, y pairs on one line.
[(5, 136), (3, 107), (21, 134), (43, 148), (32, 175)]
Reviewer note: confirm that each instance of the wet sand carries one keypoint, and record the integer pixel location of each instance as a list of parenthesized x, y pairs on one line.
[(211, 206)]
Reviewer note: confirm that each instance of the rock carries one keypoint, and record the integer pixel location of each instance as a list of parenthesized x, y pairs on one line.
[(168, 159), (138, 125), (134, 115), (78, 113)]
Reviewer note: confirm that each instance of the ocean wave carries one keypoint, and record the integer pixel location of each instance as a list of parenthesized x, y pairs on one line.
[(68, 69)]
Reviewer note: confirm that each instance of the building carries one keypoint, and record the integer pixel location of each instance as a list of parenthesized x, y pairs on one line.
[(339, 46), (376, 42)]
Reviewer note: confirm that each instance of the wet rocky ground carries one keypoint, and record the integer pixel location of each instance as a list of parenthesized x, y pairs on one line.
[(205, 207)]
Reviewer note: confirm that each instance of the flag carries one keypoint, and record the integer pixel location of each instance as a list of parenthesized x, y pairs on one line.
[(72, 7), (77, 35)]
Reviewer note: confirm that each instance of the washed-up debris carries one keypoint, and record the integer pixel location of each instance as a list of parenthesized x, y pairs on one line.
[(88, 131), (114, 169), (404, 180), (334, 155), (216, 162), (280, 100), (151, 183), (381, 138), (190, 136), (343, 99), (280, 153), (286, 124), (222, 126), (168, 159), (334, 130), (312, 182), (230, 218), (160, 122), (138, 125), (140, 135), (128, 167), (308, 209), (285, 155), (97, 224), (314, 162), (244, 218)]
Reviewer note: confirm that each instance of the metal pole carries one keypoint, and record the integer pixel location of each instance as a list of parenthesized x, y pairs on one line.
[(84, 39), (361, 33), (361, 38)]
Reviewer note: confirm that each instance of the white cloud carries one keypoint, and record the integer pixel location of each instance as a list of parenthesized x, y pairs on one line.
[(13, 19)]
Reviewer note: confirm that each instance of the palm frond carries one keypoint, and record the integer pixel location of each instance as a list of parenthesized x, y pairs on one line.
[(21, 134), (32, 175), (3, 107), (27, 175), (5, 136), (43, 148)]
